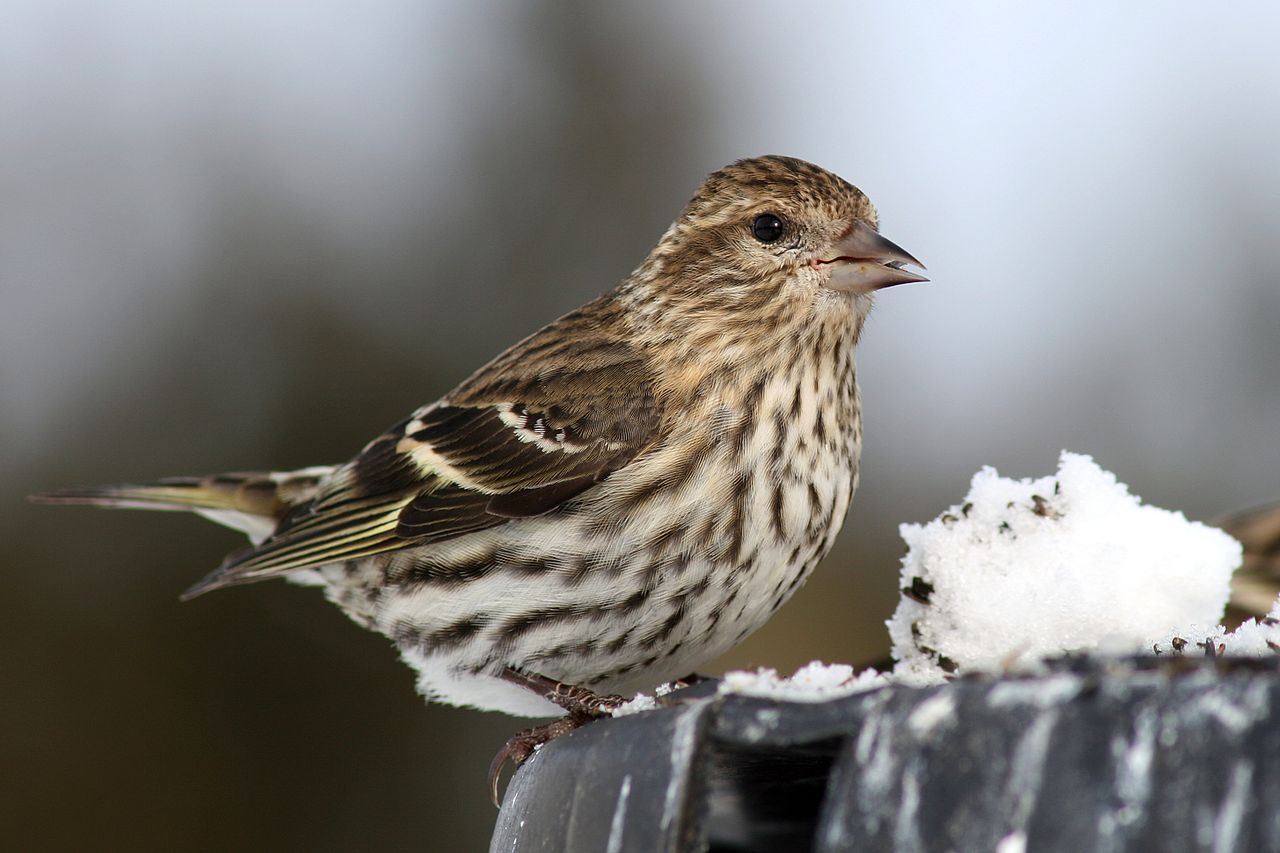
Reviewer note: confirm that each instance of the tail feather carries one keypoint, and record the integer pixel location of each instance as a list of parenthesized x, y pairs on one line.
[(176, 493), (253, 502)]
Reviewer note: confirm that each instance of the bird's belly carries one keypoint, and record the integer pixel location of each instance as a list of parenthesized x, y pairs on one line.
[(619, 593)]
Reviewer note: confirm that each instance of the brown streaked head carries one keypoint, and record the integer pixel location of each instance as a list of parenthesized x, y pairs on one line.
[(768, 222)]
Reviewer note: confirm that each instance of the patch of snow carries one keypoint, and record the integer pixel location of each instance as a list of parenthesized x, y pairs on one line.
[(1071, 562), (813, 682), (643, 701), (1254, 638), (636, 704)]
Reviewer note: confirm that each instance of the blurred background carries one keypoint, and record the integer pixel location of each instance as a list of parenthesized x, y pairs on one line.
[(245, 235)]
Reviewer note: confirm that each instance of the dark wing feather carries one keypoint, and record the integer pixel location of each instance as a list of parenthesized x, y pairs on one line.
[(539, 426), (527, 503)]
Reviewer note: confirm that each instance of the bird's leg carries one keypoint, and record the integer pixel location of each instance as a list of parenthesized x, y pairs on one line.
[(580, 704), (577, 701)]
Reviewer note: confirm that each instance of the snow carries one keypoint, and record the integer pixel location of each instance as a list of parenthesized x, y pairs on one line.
[(643, 701), (1071, 562), (1253, 638), (813, 682), (635, 705)]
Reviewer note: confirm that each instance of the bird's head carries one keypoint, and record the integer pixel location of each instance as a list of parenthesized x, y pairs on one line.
[(774, 228)]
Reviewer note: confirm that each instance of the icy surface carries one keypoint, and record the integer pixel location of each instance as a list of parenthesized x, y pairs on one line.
[(813, 682), (1072, 562)]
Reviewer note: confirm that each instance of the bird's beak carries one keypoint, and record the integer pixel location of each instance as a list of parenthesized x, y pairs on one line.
[(862, 261)]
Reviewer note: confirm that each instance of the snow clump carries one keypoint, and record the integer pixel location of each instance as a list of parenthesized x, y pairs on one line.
[(1071, 562)]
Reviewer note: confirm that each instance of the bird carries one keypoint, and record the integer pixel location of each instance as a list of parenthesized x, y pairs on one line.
[(618, 498)]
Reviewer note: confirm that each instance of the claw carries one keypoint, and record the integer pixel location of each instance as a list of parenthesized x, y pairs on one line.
[(521, 745), (507, 753), (495, 775)]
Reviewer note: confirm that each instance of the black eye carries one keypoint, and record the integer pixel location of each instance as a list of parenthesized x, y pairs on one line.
[(767, 228)]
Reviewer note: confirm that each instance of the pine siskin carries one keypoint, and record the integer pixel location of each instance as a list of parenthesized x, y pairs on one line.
[(618, 498)]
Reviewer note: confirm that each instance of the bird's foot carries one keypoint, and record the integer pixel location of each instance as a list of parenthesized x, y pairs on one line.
[(581, 705), (523, 744)]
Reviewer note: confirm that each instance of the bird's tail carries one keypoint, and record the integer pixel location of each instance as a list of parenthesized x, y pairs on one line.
[(251, 502)]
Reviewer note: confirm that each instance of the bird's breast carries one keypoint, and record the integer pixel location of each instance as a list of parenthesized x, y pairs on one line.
[(759, 469)]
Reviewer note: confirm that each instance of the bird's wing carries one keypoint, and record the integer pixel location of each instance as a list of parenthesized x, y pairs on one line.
[(516, 440)]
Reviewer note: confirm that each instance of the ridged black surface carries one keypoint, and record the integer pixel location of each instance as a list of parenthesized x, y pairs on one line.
[(1151, 754)]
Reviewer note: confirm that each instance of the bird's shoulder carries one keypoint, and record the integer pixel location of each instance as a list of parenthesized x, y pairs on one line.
[(574, 400)]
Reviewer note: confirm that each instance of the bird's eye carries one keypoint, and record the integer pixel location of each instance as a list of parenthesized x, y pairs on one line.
[(767, 228)]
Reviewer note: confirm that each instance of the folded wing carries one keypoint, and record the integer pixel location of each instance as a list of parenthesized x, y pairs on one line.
[(519, 439)]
